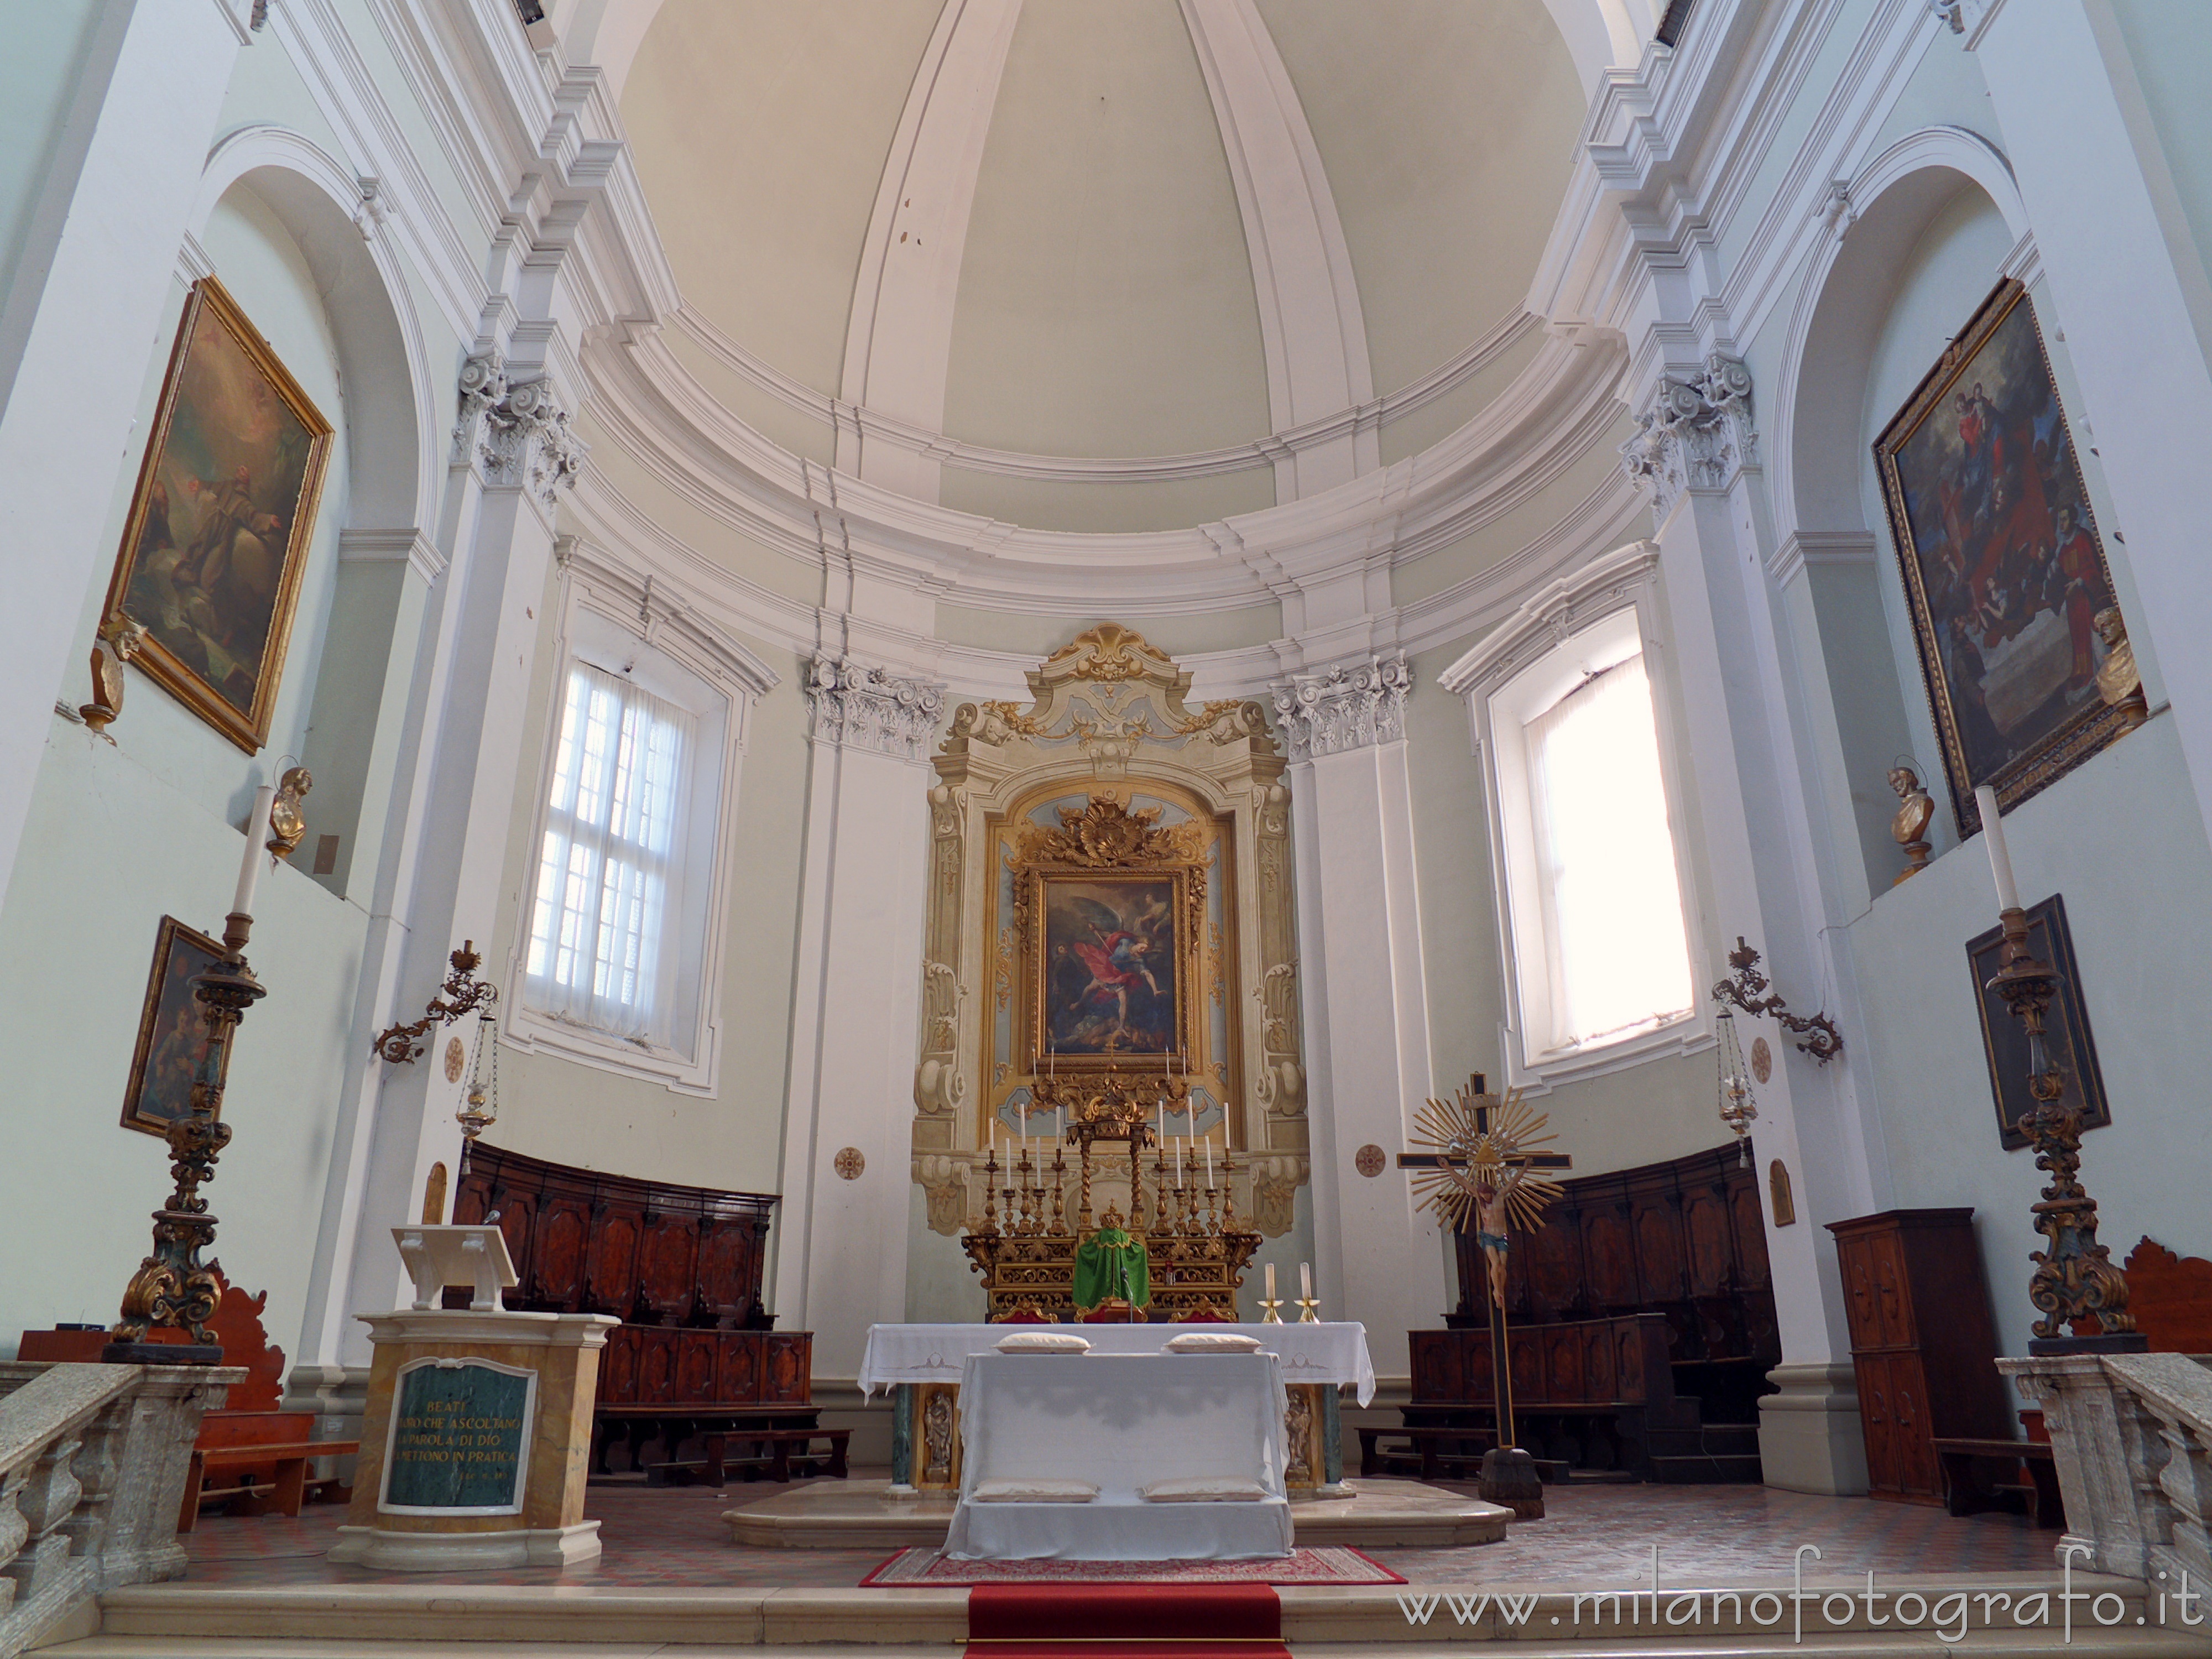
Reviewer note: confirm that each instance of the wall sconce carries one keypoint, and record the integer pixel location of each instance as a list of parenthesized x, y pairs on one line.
[(463, 993), (1745, 986)]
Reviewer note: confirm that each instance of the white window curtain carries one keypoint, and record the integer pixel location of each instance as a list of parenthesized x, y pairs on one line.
[(609, 873), (1616, 953)]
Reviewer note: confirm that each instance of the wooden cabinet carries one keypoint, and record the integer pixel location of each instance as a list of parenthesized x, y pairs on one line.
[(1923, 1343)]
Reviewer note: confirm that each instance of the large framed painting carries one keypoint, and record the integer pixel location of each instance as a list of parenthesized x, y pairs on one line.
[(171, 1034), (2067, 1042), (220, 520), (1109, 981), (2004, 572)]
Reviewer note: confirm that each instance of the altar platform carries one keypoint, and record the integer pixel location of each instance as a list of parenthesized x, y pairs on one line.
[(670, 1577), (855, 1514)]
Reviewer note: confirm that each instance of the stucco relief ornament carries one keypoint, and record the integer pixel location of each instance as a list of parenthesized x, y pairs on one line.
[(1351, 705), (515, 429), (1697, 435), (858, 706)]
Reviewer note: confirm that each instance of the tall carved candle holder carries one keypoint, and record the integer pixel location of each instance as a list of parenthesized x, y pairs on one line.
[(2075, 1284), (173, 1288)]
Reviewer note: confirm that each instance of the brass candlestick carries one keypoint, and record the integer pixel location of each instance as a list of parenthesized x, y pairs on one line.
[(1271, 1310), (2074, 1283), (1308, 1316), (172, 1287)]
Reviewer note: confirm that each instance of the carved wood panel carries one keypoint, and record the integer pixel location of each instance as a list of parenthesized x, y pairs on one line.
[(611, 1266), (563, 1240), (784, 1373)]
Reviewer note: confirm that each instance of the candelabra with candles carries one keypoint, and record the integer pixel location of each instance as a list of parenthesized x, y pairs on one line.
[(2075, 1284), (172, 1287), (1024, 1246)]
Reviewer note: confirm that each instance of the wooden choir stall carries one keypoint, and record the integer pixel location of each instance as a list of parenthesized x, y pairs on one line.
[(1643, 1326), (695, 1382)]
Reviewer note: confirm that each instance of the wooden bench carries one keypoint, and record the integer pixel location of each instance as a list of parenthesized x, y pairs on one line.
[(284, 1491), (1963, 1495), (1435, 1451), (784, 1449)]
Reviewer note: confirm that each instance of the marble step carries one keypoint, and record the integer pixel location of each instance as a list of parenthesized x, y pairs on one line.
[(387, 1622)]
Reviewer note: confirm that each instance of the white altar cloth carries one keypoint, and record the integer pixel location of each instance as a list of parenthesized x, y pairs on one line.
[(1326, 1352), (1121, 1421)]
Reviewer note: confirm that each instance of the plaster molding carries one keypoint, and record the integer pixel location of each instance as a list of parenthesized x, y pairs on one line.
[(1312, 332), (668, 425), (658, 611), (409, 545), (857, 705), (515, 429), (898, 339), (1803, 549), (1354, 705), (1551, 616), (870, 425), (1697, 435)]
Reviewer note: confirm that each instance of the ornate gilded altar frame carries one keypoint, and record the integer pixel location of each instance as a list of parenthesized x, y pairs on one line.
[(1108, 844), (1108, 723)]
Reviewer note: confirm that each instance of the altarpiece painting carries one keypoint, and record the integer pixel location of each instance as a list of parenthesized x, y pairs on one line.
[(1109, 983), (2004, 569), (220, 521)]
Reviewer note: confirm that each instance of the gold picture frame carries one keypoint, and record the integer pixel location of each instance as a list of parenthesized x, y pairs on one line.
[(1110, 910), (221, 520), (172, 1031), (2003, 568)]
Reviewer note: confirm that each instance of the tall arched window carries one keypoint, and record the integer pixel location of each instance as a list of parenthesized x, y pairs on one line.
[(1587, 849)]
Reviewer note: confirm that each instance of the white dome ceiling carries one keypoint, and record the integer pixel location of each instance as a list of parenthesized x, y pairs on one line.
[(1020, 237)]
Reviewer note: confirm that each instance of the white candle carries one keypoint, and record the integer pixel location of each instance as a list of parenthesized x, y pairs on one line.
[(1306, 1280), (1178, 1164), (1059, 1123), (2000, 857), (1209, 1163), (1271, 1281), (257, 832), (1163, 1130), (994, 1144)]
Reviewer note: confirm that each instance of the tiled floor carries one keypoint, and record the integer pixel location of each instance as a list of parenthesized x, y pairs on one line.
[(675, 1538)]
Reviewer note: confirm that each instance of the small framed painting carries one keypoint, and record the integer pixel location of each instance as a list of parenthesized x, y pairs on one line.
[(2003, 568), (220, 520), (171, 1035), (2066, 1038)]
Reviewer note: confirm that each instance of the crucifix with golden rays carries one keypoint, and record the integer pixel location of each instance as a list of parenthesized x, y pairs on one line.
[(1483, 1167)]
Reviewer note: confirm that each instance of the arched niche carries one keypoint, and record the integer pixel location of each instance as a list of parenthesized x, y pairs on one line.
[(391, 426), (1828, 520)]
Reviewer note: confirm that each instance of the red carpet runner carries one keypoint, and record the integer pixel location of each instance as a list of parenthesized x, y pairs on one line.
[(1125, 1621)]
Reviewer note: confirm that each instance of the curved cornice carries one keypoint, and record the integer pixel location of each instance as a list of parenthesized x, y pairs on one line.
[(852, 420), (647, 402)]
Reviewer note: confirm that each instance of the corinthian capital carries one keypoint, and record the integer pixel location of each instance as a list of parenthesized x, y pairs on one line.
[(858, 706), (1696, 435), (1350, 706), (514, 429)]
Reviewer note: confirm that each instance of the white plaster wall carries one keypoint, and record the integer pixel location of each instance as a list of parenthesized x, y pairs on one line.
[(559, 1108), (1649, 1112), (120, 836), (38, 71), (2119, 837)]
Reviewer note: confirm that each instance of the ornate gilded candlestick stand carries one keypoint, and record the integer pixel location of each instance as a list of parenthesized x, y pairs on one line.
[(2074, 1283), (172, 1287), (1193, 1246)]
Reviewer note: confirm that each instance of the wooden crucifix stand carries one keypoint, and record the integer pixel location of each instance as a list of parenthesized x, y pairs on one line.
[(1509, 1473)]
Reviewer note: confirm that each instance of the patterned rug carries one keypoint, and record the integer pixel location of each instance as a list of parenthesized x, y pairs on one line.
[(1330, 1565)]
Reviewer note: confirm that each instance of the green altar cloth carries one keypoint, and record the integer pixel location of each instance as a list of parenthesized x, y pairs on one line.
[(1110, 1263)]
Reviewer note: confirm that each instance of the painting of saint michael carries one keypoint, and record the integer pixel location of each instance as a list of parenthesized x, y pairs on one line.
[(1109, 984), (2002, 567), (220, 524)]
